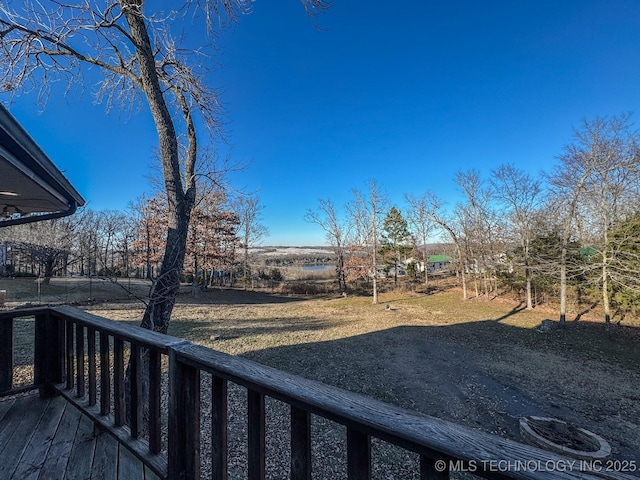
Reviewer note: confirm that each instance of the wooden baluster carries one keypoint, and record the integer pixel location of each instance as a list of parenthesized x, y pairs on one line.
[(135, 393), (69, 351), (60, 361), (6, 355), (91, 353), (119, 410), (358, 455), (219, 428), (105, 375), (155, 425), (48, 357), (433, 470), (79, 361), (184, 420), (300, 444), (256, 434)]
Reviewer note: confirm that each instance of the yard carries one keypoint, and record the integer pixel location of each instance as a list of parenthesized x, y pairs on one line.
[(479, 363)]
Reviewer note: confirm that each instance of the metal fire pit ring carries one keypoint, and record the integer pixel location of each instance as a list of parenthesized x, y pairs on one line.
[(561, 437)]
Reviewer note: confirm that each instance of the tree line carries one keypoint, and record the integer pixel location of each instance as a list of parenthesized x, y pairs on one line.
[(131, 243), (575, 227)]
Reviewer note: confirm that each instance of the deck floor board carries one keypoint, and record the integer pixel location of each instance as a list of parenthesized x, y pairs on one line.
[(52, 440)]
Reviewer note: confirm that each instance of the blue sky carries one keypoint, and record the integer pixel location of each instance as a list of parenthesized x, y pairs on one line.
[(407, 93)]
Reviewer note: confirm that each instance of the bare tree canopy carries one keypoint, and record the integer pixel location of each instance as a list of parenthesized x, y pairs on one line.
[(596, 182), (336, 232), (520, 195), (139, 58), (365, 212)]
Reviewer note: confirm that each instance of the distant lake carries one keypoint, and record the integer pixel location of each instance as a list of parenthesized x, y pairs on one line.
[(318, 268)]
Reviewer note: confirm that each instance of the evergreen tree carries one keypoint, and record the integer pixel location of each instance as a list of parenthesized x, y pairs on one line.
[(395, 238)]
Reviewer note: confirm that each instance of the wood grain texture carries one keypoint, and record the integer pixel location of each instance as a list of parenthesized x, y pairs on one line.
[(105, 458), (124, 331), (155, 396), (128, 465), (300, 444), (119, 408), (80, 387), (69, 364), (358, 455), (219, 430), (37, 449), (14, 440), (184, 421), (91, 361), (105, 375), (135, 393), (256, 432), (81, 457)]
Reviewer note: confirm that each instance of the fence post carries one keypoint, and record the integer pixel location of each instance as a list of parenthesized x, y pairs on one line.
[(48, 353), (184, 420)]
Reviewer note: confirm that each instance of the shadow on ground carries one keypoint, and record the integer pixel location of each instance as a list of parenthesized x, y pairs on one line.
[(485, 375), (218, 296)]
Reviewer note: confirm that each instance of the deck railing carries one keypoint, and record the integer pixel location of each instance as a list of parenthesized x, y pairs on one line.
[(84, 358)]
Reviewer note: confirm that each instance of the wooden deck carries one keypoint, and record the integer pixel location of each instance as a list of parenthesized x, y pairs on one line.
[(52, 440), (82, 358)]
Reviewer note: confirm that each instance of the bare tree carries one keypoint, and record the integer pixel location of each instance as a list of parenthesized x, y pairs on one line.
[(434, 209), (365, 212), (150, 216), (250, 229), (480, 226), (337, 235), (47, 245), (46, 41), (109, 225), (611, 192), (422, 225), (87, 242), (602, 161), (520, 195)]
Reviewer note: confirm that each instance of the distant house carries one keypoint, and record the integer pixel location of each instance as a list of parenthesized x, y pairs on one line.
[(435, 263), (438, 262)]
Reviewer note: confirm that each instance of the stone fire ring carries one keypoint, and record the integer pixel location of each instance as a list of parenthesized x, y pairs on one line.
[(545, 433)]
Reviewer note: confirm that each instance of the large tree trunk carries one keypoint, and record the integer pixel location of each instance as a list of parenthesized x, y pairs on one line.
[(563, 286), (606, 304), (165, 289), (527, 281), (167, 286), (342, 282), (425, 257)]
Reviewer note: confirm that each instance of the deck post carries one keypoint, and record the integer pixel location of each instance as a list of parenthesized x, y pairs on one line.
[(48, 355), (256, 454), (358, 455), (219, 405), (184, 420), (300, 444), (6, 355)]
